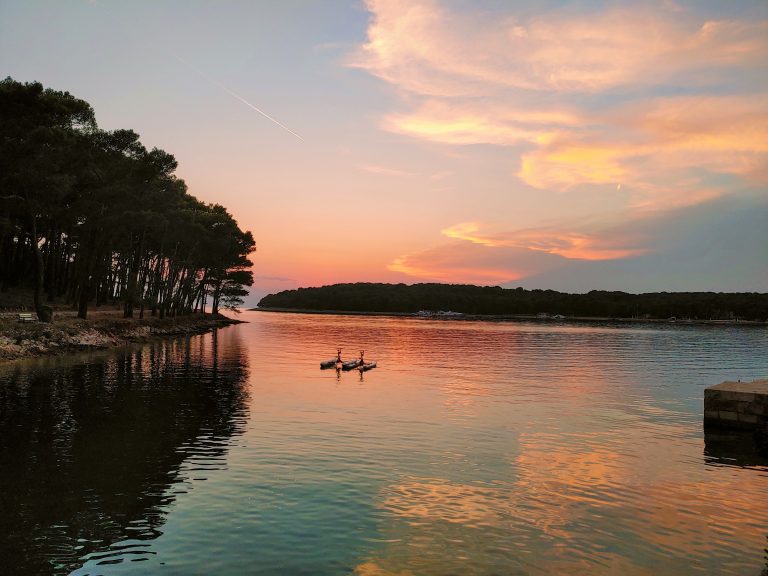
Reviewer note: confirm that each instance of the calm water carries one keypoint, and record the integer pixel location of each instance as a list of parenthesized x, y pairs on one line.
[(474, 448)]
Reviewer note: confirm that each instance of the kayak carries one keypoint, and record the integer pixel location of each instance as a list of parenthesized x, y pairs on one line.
[(350, 364), (333, 362)]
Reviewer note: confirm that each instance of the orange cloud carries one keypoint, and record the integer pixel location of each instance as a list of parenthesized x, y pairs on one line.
[(648, 146), (487, 78), (657, 143), (475, 123), (560, 166), (430, 265), (473, 263), (568, 244), (485, 254), (468, 231)]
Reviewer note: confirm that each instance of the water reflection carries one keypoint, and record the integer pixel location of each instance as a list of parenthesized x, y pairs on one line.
[(93, 450), (731, 448), (473, 448)]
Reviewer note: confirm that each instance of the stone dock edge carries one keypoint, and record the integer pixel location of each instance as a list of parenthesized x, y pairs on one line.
[(737, 405)]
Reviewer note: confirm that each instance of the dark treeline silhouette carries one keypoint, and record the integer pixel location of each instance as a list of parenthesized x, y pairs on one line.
[(92, 216), (500, 301)]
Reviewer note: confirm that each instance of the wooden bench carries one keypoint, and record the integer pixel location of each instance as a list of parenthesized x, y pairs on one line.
[(26, 317)]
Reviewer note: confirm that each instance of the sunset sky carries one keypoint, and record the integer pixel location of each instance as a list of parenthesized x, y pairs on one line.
[(566, 145)]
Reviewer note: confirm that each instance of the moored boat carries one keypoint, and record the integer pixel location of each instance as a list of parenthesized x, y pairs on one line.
[(339, 364), (333, 362), (351, 364)]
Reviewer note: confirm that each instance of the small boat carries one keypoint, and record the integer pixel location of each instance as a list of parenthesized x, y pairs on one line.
[(350, 364), (333, 362), (339, 364)]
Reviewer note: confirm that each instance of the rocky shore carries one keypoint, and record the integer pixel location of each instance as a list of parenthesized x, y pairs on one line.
[(67, 335)]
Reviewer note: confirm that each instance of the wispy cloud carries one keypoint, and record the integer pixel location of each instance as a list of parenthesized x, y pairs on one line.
[(383, 170), (424, 48), (488, 123), (564, 241), (442, 175), (463, 262)]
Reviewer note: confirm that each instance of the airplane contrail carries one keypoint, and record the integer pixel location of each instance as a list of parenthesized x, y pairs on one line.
[(237, 96)]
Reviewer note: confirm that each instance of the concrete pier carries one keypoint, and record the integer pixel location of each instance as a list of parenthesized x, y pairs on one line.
[(742, 405)]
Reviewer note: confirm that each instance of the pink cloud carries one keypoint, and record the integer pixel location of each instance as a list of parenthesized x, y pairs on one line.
[(460, 262), (488, 254), (678, 244), (383, 170), (424, 48), (474, 263), (571, 244), (482, 78)]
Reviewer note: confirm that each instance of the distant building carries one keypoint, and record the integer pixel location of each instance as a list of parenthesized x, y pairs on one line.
[(441, 313)]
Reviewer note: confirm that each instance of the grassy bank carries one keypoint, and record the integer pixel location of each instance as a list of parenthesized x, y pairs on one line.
[(105, 329)]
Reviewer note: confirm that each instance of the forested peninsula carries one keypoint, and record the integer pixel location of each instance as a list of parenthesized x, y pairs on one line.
[(90, 219), (496, 301)]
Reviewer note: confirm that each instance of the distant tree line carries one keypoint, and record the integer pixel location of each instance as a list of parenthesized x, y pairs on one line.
[(500, 301), (90, 216)]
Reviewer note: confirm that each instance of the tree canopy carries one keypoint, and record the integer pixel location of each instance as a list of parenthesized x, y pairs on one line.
[(91, 216)]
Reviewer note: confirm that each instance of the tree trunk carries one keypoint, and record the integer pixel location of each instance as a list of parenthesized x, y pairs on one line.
[(82, 304), (44, 313), (216, 297), (133, 274)]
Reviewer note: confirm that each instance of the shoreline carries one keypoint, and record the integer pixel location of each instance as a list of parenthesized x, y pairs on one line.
[(21, 341), (518, 317)]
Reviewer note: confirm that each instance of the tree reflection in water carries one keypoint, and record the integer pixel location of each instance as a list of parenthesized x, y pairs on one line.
[(91, 448)]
